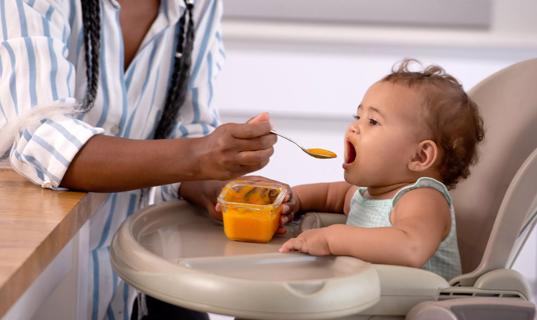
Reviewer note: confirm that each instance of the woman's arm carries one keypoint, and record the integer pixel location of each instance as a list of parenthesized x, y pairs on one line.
[(38, 85), (107, 164)]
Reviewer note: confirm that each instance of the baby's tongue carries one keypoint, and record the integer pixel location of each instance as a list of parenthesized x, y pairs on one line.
[(350, 153)]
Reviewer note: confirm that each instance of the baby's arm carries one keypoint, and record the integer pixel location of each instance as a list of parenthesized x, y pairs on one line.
[(420, 221), (324, 197)]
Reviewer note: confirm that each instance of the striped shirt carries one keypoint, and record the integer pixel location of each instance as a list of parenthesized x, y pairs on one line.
[(43, 77)]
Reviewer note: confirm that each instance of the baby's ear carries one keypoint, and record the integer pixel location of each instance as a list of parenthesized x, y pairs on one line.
[(425, 156)]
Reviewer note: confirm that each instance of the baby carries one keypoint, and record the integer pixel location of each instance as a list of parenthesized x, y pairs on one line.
[(414, 137)]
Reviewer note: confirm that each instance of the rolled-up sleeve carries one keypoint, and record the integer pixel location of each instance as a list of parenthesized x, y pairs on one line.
[(37, 91), (198, 116)]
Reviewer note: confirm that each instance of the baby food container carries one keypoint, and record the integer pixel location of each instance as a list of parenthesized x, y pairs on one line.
[(251, 209)]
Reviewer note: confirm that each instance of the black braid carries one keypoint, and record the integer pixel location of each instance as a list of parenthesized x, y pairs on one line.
[(91, 21), (181, 70)]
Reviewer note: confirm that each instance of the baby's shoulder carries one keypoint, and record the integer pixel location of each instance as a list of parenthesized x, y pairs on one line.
[(423, 197), (424, 189)]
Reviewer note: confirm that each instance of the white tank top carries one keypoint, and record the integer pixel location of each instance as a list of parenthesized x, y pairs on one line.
[(374, 213)]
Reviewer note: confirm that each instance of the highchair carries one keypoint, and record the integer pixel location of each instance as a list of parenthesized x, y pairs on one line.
[(173, 252)]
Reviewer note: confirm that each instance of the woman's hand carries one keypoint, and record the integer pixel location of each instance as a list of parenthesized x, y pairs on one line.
[(291, 205), (203, 194), (233, 149), (313, 241)]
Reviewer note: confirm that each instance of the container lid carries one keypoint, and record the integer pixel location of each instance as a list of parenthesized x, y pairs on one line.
[(174, 252), (252, 194)]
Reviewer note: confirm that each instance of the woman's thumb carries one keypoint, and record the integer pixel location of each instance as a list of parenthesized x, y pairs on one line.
[(262, 117)]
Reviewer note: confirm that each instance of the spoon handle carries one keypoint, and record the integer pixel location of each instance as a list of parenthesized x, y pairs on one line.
[(314, 152), (288, 139)]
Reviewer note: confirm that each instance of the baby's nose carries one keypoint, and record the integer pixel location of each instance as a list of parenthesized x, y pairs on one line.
[(353, 128)]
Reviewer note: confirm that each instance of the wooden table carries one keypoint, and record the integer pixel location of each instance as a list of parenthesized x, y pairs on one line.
[(35, 224)]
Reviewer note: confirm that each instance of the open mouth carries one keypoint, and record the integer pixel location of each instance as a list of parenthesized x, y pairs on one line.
[(350, 152)]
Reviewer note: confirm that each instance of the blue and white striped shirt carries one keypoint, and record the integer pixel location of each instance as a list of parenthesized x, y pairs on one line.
[(43, 77)]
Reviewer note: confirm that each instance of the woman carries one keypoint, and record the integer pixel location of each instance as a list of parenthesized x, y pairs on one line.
[(115, 96)]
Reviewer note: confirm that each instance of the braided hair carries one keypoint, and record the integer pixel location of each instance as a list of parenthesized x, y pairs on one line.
[(176, 93), (91, 22), (181, 70)]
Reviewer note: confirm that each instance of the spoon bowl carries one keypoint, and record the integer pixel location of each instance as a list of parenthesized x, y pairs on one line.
[(318, 153)]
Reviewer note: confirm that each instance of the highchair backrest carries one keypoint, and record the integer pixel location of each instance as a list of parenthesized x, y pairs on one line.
[(494, 203)]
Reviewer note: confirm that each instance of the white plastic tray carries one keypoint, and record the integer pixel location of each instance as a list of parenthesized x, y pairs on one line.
[(174, 252)]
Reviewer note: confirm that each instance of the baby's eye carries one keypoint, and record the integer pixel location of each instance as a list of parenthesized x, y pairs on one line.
[(356, 117), (373, 122)]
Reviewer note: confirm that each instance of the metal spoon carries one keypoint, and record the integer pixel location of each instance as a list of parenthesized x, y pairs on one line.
[(314, 152)]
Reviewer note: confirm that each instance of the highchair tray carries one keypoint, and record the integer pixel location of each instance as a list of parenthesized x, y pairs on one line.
[(176, 253)]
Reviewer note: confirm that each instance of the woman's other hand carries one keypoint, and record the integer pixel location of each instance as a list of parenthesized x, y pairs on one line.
[(204, 194), (291, 205), (233, 149)]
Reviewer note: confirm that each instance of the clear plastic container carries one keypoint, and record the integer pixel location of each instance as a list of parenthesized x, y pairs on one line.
[(251, 210)]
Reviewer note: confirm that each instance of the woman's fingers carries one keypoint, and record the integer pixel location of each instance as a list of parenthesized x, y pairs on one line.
[(234, 149), (250, 130), (286, 216), (281, 230), (254, 144), (254, 158), (262, 117)]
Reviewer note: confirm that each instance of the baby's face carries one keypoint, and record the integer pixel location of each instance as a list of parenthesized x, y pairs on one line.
[(383, 138)]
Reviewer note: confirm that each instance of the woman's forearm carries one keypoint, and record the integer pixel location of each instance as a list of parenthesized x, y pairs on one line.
[(111, 164)]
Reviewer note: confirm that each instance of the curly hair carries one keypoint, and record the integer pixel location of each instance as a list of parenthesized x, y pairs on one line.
[(451, 116)]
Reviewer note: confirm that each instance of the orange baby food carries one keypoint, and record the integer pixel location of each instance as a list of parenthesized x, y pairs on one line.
[(251, 210), (322, 152)]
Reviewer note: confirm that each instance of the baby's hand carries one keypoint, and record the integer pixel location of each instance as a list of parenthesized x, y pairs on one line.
[(312, 241)]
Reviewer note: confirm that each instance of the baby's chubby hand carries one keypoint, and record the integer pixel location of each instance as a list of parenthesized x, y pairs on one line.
[(313, 241)]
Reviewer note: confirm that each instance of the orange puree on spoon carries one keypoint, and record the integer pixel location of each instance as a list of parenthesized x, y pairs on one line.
[(318, 152)]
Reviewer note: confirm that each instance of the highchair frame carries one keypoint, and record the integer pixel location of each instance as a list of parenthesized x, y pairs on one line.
[(167, 263)]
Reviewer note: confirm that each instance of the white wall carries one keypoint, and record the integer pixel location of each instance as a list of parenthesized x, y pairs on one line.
[(312, 77)]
